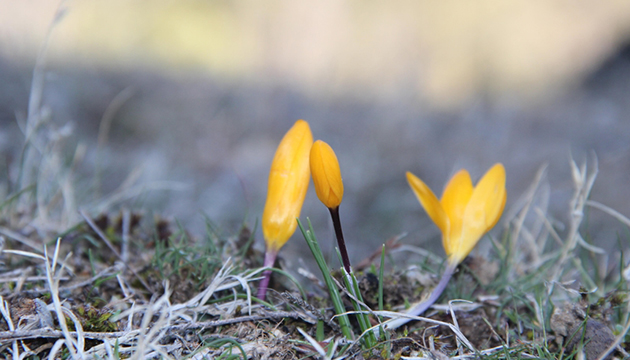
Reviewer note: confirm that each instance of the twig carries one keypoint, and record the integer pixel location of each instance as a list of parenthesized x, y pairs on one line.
[(6, 314), (48, 333), (275, 315), (28, 279), (310, 309), (100, 233), (126, 228), (20, 238), (36, 292)]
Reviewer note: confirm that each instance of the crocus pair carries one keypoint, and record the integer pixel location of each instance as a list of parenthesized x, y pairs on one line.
[(295, 159)]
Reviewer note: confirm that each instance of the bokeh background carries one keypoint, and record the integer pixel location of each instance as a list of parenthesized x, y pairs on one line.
[(190, 98)]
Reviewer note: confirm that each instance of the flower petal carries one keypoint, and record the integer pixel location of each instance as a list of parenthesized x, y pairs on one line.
[(456, 195), (288, 182), (501, 207), (429, 202), (482, 212), (326, 174)]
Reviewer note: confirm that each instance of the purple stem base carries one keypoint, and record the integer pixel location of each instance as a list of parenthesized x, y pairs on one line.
[(270, 259), (423, 306)]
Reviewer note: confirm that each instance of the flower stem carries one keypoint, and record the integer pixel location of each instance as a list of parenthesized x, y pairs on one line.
[(270, 259), (423, 306), (334, 213)]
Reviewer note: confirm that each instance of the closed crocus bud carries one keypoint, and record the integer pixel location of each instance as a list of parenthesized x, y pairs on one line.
[(288, 182), (329, 187), (326, 174)]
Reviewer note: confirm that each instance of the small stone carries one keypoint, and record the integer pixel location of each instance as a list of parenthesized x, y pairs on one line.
[(566, 318), (597, 339), (568, 321)]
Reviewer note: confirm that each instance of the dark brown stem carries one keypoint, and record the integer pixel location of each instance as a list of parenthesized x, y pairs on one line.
[(334, 213)]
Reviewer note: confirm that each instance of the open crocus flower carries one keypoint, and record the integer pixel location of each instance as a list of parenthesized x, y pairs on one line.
[(288, 182), (329, 187), (463, 215)]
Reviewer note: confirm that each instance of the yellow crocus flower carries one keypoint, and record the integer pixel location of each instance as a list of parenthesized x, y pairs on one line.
[(288, 182), (326, 174), (465, 213)]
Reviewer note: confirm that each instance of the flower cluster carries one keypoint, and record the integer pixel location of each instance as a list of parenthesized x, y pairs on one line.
[(463, 214)]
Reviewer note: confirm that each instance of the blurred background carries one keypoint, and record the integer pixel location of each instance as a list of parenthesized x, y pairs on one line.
[(187, 101)]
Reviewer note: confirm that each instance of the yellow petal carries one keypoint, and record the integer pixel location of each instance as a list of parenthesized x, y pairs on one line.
[(288, 182), (454, 200), (429, 202), (482, 212), (500, 211), (326, 174)]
